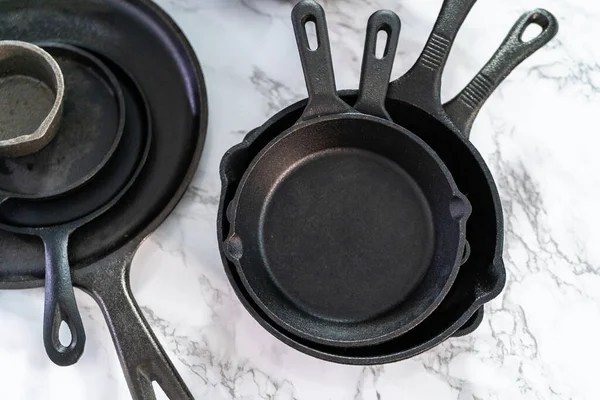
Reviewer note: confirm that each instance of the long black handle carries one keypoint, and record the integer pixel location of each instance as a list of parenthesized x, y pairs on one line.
[(376, 71), (421, 85), (60, 304), (463, 109), (142, 358), (316, 63)]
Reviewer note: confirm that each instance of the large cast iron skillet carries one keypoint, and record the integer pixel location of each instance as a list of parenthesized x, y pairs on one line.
[(482, 277), (122, 34)]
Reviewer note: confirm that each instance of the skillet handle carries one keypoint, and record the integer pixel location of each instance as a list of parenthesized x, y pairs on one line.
[(60, 304), (142, 358), (421, 85), (376, 72), (316, 63), (463, 108)]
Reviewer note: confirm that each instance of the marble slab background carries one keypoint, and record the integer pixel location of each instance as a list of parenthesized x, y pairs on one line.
[(539, 134)]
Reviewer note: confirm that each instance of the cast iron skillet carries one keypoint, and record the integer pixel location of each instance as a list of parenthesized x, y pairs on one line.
[(100, 252), (347, 229), (53, 218), (482, 277), (88, 136)]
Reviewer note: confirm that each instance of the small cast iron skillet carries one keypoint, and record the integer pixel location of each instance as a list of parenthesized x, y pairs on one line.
[(482, 277), (346, 229)]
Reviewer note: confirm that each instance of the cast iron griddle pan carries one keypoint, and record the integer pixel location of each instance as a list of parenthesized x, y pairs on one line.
[(347, 229), (121, 33), (482, 277)]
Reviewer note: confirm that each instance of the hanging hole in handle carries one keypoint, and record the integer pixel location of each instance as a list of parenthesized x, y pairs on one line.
[(381, 43), (535, 25), (65, 338), (311, 34), (159, 392)]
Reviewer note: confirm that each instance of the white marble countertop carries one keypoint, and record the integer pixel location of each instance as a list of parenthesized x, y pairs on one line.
[(539, 135)]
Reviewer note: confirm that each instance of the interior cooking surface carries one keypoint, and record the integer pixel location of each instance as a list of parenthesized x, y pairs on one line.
[(88, 127), (24, 104), (347, 234)]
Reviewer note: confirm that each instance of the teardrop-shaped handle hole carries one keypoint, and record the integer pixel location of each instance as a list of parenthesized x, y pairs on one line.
[(311, 35), (532, 31), (65, 338), (382, 43), (536, 24)]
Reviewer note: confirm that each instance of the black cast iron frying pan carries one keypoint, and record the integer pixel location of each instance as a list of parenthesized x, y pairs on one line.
[(481, 278), (88, 136), (101, 251), (347, 229), (53, 218)]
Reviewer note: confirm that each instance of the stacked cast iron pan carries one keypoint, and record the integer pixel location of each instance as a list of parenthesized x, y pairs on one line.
[(130, 139), (345, 234)]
